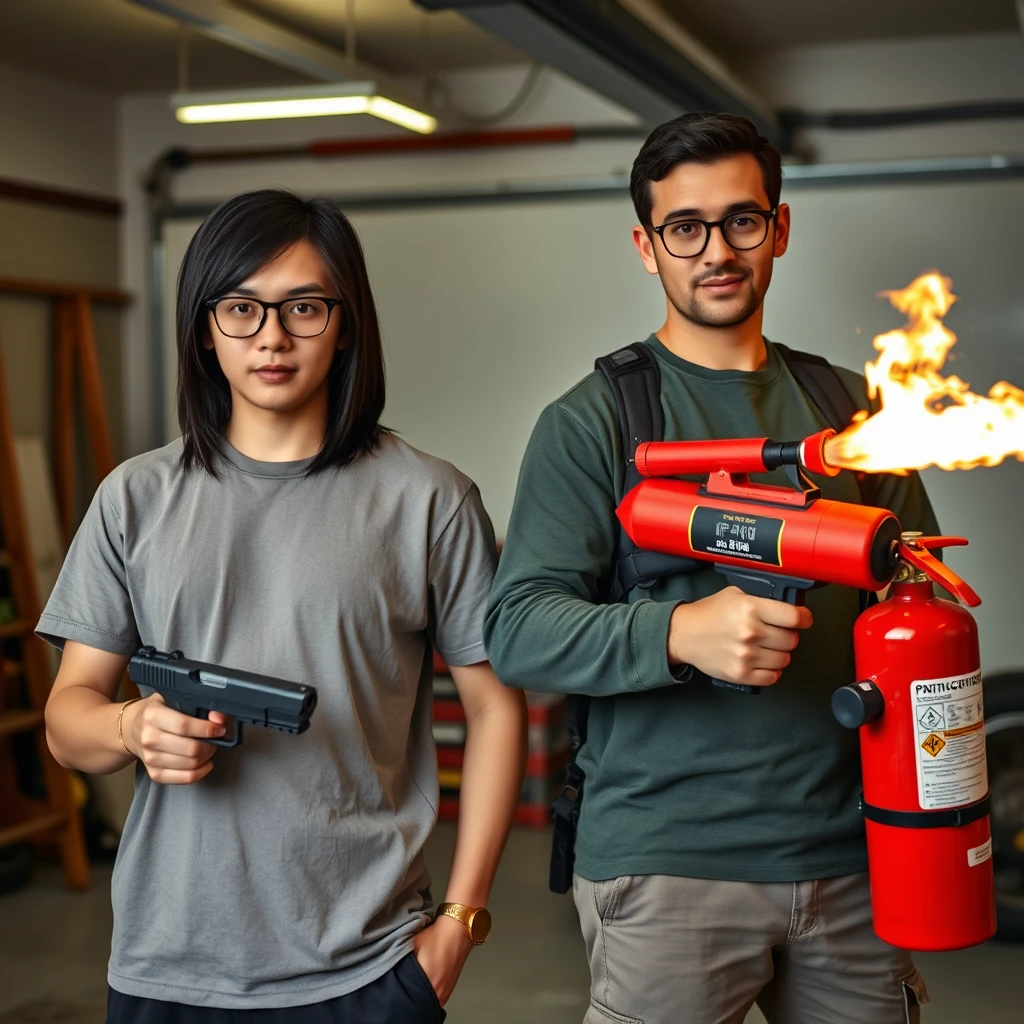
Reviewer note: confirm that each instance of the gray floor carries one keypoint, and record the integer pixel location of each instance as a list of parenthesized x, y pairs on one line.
[(53, 949)]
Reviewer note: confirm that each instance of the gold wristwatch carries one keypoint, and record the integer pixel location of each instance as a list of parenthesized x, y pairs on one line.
[(477, 920)]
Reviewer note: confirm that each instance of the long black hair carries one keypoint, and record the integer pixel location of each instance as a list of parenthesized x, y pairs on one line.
[(236, 240)]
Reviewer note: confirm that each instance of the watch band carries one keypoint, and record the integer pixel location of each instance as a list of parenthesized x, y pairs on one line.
[(476, 920)]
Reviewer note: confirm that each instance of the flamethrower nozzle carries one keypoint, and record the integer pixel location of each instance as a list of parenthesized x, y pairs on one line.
[(812, 453)]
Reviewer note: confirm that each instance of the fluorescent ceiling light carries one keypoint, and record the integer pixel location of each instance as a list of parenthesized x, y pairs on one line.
[(313, 101)]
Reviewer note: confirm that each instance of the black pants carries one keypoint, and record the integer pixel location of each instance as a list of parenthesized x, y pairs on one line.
[(403, 996)]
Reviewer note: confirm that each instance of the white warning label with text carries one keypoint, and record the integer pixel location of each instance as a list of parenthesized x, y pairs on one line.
[(979, 854), (949, 739)]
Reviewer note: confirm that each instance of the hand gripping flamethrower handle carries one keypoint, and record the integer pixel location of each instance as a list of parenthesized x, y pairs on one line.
[(770, 541)]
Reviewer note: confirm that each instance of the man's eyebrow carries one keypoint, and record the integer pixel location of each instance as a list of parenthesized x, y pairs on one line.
[(743, 204), (303, 289), (694, 211), (690, 211)]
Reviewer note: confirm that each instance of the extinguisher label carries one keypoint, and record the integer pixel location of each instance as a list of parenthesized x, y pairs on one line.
[(736, 534), (979, 854), (949, 734)]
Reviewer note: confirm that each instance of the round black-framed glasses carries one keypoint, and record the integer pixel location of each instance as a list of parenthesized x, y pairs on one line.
[(686, 238), (304, 316)]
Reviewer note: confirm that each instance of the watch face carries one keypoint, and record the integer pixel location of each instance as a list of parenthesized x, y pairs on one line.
[(480, 925)]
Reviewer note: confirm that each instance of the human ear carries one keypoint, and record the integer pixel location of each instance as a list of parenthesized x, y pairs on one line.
[(781, 243), (645, 246)]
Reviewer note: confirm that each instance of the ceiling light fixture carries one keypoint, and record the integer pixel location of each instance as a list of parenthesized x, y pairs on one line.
[(305, 101)]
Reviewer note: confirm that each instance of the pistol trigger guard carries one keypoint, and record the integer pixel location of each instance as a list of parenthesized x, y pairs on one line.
[(229, 741)]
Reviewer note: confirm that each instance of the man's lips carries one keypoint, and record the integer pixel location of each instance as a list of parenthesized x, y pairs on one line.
[(274, 373), (723, 285)]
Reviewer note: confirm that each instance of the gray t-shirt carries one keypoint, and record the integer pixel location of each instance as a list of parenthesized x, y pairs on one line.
[(293, 873)]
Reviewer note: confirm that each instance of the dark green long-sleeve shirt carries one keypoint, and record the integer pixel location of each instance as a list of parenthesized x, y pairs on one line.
[(682, 778)]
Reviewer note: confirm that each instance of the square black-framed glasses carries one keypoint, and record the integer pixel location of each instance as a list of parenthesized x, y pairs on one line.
[(212, 304), (731, 227)]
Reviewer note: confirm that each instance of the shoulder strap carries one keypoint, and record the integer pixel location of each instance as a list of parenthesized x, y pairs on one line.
[(636, 384), (632, 372), (819, 379)]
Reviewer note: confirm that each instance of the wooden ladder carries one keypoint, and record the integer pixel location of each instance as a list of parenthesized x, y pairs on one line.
[(23, 818), (56, 817)]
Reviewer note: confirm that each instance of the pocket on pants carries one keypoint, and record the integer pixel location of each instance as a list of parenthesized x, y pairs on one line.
[(915, 995), (607, 896), (598, 1013), (426, 988)]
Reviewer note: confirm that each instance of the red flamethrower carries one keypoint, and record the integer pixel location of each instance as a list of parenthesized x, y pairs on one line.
[(769, 541)]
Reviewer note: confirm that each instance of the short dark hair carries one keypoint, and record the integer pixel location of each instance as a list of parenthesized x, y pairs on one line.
[(240, 236), (700, 138)]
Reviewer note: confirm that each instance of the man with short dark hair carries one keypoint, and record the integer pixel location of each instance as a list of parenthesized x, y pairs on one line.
[(720, 857)]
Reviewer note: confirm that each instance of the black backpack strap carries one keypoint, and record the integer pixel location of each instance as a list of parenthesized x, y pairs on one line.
[(818, 378), (635, 381), (632, 373), (820, 381)]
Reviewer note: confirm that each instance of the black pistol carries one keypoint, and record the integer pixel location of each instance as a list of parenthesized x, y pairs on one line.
[(196, 688)]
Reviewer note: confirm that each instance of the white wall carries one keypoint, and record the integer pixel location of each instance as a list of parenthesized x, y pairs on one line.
[(57, 134), (902, 73)]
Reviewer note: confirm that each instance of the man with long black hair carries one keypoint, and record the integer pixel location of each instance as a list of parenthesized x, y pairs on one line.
[(286, 533), (720, 856)]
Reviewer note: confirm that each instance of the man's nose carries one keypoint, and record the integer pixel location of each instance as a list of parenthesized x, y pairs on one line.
[(718, 250)]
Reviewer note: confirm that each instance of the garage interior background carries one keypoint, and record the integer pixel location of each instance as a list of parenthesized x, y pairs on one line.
[(502, 271)]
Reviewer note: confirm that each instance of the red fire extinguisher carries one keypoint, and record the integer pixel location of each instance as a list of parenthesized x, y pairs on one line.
[(919, 710)]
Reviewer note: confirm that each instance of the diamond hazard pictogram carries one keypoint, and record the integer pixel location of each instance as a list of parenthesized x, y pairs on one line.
[(933, 744), (931, 717)]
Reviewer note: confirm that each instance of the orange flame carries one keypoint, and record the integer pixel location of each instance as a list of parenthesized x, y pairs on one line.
[(926, 419)]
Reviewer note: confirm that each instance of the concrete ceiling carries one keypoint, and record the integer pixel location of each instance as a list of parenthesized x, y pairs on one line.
[(118, 47), (744, 27), (395, 35)]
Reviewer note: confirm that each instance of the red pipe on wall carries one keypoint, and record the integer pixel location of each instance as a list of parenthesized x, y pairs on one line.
[(395, 144)]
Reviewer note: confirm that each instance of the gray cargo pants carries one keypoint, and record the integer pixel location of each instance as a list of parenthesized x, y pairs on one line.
[(667, 950)]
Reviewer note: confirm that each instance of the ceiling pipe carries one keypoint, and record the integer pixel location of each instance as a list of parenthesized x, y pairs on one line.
[(659, 21), (630, 53)]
